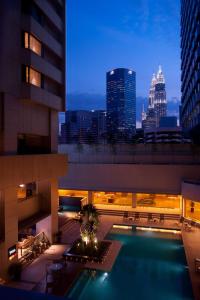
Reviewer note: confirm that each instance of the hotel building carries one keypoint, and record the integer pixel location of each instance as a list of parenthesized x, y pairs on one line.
[(32, 91)]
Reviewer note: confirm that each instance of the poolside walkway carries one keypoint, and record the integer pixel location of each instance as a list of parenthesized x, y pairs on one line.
[(191, 241), (36, 271)]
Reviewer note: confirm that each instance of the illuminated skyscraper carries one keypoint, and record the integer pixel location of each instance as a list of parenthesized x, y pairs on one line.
[(157, 106), (160, 101), (121, 103)]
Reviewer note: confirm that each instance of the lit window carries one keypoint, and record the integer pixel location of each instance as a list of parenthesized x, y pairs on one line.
[(33, 77), (30, 42)]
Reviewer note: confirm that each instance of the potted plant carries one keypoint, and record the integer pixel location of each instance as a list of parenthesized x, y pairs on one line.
[(192, 207), (14, 271)]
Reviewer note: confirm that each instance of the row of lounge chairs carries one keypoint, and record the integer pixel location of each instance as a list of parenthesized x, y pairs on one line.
[(135, 216)]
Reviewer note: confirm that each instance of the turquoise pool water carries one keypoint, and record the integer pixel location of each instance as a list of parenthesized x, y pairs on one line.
[(149, 266)]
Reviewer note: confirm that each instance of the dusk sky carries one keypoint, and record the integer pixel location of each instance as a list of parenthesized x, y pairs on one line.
[(107, 34)]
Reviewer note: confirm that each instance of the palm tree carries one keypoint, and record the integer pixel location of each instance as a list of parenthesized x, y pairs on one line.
[(88, 224)]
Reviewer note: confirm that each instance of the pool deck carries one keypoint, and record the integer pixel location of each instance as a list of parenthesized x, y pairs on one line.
[(191, 241), (33, 275)]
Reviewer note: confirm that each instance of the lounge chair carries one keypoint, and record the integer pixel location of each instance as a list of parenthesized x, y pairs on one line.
[(161, 218), (125, 217), (150, 218), (137, 216)]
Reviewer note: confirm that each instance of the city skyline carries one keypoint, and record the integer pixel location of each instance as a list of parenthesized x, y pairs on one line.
[(140, 36)]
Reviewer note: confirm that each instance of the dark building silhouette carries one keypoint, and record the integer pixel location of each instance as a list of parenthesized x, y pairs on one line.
[(190, 68), (168, 122), (83, 126)]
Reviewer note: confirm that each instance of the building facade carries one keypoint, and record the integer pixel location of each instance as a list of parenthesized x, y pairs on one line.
[(190, 67), (32, 91), (83, 126), (121, 103)]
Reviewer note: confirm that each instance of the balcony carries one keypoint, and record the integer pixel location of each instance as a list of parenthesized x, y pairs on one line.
[(41, 65), (41, 96), (30, 25), (50, 12)]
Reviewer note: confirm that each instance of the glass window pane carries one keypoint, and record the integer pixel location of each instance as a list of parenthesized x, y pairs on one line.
[(35, 45), (26, 40), (35, 77)]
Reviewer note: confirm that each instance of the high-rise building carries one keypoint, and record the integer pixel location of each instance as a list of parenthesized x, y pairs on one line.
[(160, 101), (157, 106), (32, 91), (190, 67), (121, 103)]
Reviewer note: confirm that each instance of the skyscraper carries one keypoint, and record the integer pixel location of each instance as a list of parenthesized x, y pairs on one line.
[(190, 67), (157, 106), (160, 101), (121, 103)]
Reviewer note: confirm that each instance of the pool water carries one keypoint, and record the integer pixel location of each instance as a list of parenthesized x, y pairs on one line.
[(149, 266)]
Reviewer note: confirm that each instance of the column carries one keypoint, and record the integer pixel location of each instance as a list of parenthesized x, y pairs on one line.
[(90, 197), (134, 198)]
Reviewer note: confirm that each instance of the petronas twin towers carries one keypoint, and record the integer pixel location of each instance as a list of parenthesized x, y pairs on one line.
[(157, 107)]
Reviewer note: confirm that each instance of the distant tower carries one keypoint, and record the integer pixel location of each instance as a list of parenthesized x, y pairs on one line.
[(157, 107), (121, 103), (152, 92), (160, 101)]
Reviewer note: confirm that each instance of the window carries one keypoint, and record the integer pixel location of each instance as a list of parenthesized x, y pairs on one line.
[(30, 42), (33, 77), (25, 191)]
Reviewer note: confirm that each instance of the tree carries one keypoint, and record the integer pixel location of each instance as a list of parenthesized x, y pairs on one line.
[(88, 224)]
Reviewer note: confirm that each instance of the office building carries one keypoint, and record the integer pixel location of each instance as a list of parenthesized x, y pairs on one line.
[(121, 103), (32, 91), (190, 68), (83, 126)]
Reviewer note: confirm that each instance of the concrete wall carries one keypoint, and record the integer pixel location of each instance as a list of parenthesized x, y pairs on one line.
[(191, 191), (128, 177), (28, 207)]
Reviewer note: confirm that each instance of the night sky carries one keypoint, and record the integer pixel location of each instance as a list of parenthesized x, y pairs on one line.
[(107, 34)]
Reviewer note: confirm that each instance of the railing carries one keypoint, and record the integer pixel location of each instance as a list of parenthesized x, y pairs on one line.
[(34, 246), (132, 154)]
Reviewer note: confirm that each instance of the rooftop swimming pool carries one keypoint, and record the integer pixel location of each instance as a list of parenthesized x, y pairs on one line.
[(150, 265)]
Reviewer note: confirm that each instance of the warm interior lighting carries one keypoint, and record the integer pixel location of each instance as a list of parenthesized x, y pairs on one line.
[(33, 77), (158, 230), (32, 43)]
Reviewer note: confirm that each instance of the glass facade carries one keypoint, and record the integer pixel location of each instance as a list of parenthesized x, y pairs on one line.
[(119, 200), (113, 198), (121, 103), (192, 210), (190, 67), (158, 200), (71, 193)]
